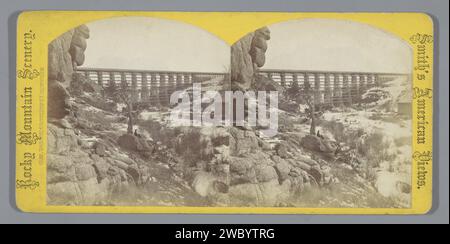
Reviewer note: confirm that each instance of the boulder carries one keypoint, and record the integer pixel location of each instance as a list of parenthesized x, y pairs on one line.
[(205, 184), (328, 177), (133, 143), (83, 31), (282, 151), (265, 173), (100, 149), (243, 142), (241, 170), (85, 172), (265, 146), (296, 172), (283, 168), (58, 105), (306, 160), (315, 143)]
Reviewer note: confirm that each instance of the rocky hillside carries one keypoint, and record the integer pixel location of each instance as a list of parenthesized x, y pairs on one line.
[(93, 161)]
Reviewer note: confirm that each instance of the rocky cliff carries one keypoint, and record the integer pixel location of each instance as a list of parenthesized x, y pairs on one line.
[(65, 53)]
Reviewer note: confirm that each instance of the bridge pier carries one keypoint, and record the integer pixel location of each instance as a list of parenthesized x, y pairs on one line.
[(328, 95), (170, 88), (179, 83), (145, 87), (376, 80), (86, 74), (362, 85), (112, 80), (186, 81), (304, 77), (154, 90), (135, 96), (283, 79), (317, 93), (295, 79), (307, 86), (99, 78), (337, 91), (123, 81), (163, 84), (354, 88), (346, 91)]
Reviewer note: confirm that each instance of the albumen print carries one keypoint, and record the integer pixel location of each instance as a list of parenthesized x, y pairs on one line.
[(302, 113)]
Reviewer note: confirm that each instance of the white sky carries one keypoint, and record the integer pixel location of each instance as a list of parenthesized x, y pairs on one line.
[(335, 45), (311, 44), (154, 44)]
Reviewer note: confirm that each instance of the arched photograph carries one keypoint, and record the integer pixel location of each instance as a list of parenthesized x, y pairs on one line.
[(109, 98)]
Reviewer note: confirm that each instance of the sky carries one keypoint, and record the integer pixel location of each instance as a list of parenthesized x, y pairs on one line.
[(335, 45), (144, 43)]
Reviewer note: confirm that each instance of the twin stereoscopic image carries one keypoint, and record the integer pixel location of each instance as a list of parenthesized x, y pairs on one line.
[(303, 113)]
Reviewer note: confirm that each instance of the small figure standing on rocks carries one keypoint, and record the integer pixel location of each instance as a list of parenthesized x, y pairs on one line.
[(319, 135)]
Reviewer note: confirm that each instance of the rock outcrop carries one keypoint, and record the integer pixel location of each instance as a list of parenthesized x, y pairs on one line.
[(317, 144), (65, 53), (247, 55), (253, 171)]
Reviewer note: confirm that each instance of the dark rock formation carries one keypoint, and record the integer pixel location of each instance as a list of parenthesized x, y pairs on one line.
[(315, 143), (133, 143), (58, 104)]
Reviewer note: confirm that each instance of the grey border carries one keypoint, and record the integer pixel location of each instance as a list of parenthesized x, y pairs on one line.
[(437, 9)]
